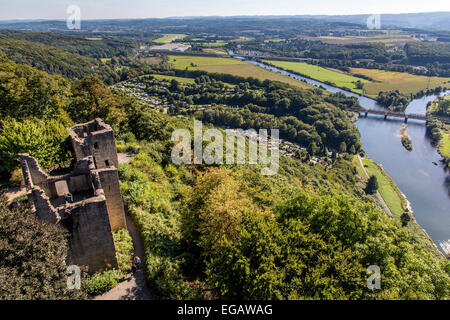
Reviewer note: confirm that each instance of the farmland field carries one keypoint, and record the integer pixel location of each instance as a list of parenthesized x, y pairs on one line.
[(231, 66), (168, 38), (151, 60), (339, 79), (215, 51), (392, 38), (383, 80), (169, 78), (404, 82)]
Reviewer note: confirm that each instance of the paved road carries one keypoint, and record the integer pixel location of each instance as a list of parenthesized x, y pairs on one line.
[(135, 287)]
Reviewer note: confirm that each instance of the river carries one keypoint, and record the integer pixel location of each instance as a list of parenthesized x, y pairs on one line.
[(416, 172)]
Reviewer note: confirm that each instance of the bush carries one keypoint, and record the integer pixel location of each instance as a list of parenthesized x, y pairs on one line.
[(124, 249), (47, 141), (102, 282), (407, 143), (32, 256)]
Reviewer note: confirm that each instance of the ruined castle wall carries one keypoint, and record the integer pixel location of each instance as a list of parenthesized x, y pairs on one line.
[(44, 210), (109, 179), (78, 147), (34, 175), (91, 242), (97, 139), (103, 148)]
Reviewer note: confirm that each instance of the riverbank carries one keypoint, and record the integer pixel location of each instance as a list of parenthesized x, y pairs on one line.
[(443, 144), (331, 84), (396, 201), (416, 172)]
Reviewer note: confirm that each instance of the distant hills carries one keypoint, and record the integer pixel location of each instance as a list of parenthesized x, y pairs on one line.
[(432, 21)]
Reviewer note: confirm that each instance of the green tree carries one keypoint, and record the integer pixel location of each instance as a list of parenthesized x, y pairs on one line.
[(372, 185), (32, 258), (405, 218), (47, 141)]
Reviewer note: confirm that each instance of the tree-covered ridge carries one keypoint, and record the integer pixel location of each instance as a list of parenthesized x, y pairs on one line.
[(36, 108), (434, 56), (103, 47), (307, 233), (303, 116), (54, 60)]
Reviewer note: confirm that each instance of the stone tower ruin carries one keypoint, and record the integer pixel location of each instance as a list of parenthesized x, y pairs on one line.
[(96, 209)]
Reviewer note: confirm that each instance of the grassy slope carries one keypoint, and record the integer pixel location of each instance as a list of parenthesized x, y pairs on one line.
[(322, 74), (444, 144), (397, 203), (232, 66), (387, 188)]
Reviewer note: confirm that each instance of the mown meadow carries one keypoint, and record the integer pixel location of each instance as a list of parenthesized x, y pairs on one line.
[(231, 66)]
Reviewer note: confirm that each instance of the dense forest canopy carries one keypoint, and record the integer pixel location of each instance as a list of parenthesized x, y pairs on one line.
[(95, 47)]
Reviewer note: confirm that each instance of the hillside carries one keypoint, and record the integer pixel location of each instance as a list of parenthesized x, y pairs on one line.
[(72, 57), (95, 47), (227, 231)]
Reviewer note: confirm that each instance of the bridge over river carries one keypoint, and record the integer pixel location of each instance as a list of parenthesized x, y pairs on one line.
[(397, 114)]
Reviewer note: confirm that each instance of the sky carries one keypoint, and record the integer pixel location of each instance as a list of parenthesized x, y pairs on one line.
[(114, 9)]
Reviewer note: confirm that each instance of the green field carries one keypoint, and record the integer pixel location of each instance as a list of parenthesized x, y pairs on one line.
[(151, 60), (231, 66), (337, 78), (387, 188), (383, 80), (404, 82), (444, 145), (168, 38), (212, 44), (215, 51), (170, 78), (397, 203)]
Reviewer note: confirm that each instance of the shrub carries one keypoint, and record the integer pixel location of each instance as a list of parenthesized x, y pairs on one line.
[(102, 282), (124, 249), (47, 141), (32, 256)]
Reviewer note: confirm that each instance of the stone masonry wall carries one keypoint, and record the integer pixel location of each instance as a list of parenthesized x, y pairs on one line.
[(109, 179), (88, 224)]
